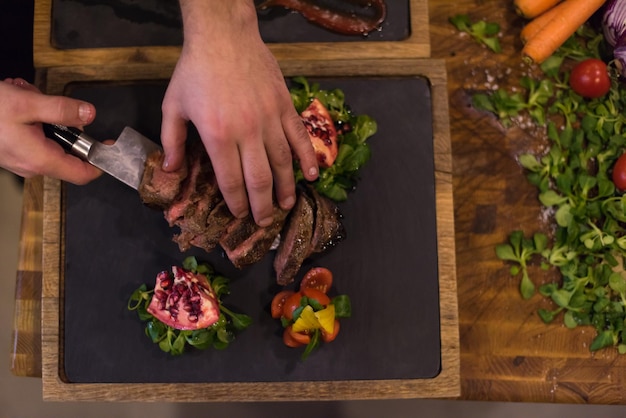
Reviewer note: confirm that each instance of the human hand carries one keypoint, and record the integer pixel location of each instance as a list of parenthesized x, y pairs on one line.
[(230, 86), (24, 150)]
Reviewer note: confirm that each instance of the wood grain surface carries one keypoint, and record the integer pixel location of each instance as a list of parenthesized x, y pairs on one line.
[(507, 352)]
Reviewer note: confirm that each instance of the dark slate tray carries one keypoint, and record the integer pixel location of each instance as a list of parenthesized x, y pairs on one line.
[(124, 23), (388, 263)]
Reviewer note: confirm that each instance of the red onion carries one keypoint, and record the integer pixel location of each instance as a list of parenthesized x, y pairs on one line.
[(614, 28)]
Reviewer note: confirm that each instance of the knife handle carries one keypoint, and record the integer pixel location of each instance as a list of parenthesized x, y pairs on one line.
[(71, 139)]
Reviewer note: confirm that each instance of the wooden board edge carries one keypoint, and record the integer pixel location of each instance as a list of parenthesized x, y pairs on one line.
[(445, 385), (51, 328), (45, 55), (25, 354)]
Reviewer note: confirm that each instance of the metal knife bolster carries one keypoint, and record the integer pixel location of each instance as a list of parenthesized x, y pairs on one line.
[(71, 139)]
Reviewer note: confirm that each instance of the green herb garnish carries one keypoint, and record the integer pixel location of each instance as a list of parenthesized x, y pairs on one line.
[(483, 32), (588, 245)]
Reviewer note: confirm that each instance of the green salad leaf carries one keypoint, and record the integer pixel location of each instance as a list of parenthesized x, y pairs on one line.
[(586, 243)]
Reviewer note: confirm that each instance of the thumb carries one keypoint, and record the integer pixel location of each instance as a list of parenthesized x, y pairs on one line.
[(62, 110)]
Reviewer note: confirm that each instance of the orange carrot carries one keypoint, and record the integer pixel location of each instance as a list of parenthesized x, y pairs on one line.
[(571, 16), (535, 25), (533, 8)]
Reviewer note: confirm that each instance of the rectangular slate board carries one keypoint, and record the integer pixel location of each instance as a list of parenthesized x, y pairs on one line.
[(125, 23), (387, 264)]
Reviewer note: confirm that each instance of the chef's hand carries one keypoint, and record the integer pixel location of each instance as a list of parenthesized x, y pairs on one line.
[(229, 85), (24, 149)]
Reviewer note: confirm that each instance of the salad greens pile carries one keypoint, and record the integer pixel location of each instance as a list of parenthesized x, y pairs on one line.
[(588, 244), (337, 180), (174, 341)]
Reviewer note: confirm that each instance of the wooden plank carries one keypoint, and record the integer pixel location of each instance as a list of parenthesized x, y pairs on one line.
[(26, 353), (417, 45), (446, 384)]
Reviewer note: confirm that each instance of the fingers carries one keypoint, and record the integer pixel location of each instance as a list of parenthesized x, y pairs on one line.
[(33, 154), (37, 107), (280, 159), (227, 164), (173, 137), (61, 110), (300, 143)]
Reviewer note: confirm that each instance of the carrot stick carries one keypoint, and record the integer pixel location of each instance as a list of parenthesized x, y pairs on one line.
[(533, 8), (572, 15), (535, 25)]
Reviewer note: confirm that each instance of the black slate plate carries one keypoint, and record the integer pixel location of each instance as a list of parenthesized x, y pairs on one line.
[(122, 23), (388, 263)]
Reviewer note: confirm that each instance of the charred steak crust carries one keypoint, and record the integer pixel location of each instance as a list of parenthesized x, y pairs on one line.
[(246, 243), (295, 240), (329, 229)]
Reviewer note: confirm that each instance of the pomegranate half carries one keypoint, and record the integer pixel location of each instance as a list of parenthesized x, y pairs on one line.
[(184, 300)]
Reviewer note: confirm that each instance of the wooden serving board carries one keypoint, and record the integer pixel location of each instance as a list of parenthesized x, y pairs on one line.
[(76, 360), (410, 40)]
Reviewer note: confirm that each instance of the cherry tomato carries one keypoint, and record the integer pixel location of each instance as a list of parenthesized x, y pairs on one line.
[(318, 295), (300, 337), (590, 78), (289, 340), (326, 337), (291, 304), (619, 173), (319, 278), (278, 302)]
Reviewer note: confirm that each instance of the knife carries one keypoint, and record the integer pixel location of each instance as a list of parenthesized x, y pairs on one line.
[(125, 159)]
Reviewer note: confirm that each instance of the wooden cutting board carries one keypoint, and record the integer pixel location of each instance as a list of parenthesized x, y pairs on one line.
[(425, 363)]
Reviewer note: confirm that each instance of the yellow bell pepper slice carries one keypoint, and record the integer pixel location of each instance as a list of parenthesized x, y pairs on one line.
[(326, 318), (306, 321), (310, 320)]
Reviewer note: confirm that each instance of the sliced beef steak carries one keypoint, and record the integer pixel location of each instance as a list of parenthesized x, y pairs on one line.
[(245, 243), (159, 188), (295, 240), (328, 229), (191, 200)]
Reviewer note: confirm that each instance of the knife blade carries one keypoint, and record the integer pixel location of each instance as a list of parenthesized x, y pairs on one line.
[(125, 159)]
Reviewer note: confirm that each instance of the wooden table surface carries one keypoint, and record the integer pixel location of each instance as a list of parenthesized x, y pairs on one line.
[(507, 352)]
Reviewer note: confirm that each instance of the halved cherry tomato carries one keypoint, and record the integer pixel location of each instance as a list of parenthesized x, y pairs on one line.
[(291, 304), (289, 340), (278, 302), (319, 278), (619, 173), (328, 337), (300, 337), (316, 294)]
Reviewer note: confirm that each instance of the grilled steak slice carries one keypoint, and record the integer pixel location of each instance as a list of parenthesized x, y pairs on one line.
[(295, 240), (209, 236), (158, 188), (328, 229), (199, 189), (246, 243)]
